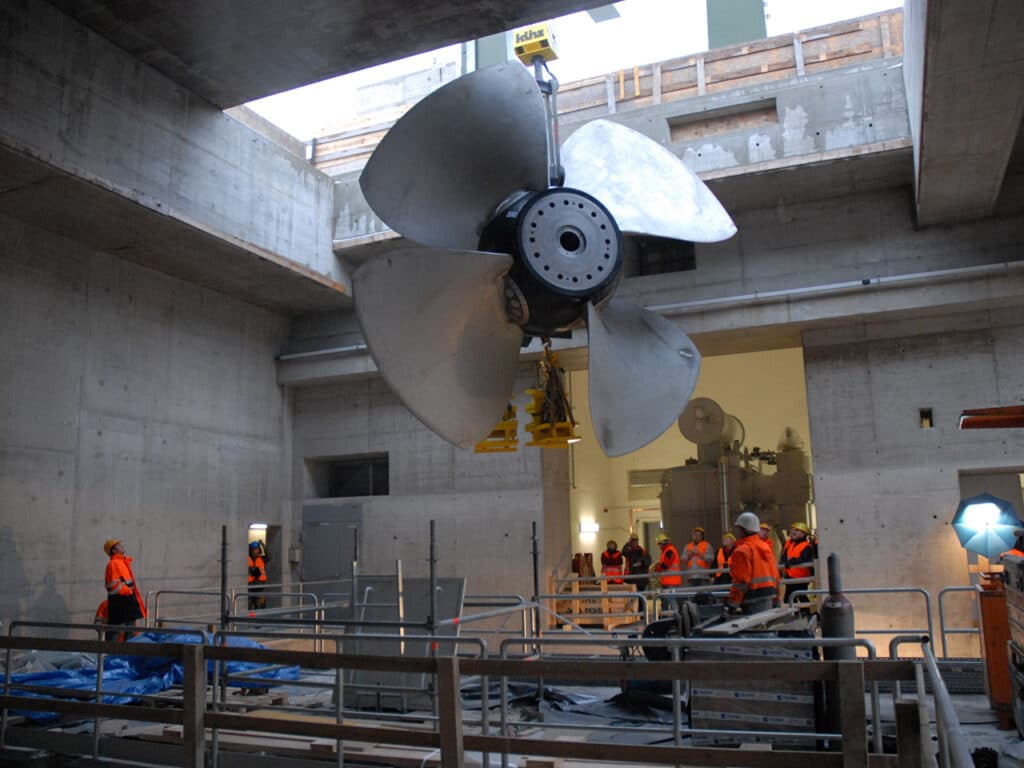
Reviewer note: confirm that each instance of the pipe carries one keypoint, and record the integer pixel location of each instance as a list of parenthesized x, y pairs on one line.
[(952, 736), (350, 349), (723, 472), (811, 291)]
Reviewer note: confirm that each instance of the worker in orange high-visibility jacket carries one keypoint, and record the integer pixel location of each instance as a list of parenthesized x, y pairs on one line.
[(797, 558), (613, 564), (699, 556), (124, 601), (669, 561), (257, 576), (722, 557), (755, 576), (1017, 551)]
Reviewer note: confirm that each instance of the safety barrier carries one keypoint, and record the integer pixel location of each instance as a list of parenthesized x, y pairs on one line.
[(929, 630), (943, 629), (450, 732)]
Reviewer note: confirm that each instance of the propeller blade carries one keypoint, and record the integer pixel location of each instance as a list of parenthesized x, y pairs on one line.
[(643, 369), (435, 322), (648, 189), (442, 170)]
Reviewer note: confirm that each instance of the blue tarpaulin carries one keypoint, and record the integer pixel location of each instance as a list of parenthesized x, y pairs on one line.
[(126, 677)]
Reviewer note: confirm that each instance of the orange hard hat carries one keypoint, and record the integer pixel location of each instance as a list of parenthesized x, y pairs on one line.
[(109, 544)]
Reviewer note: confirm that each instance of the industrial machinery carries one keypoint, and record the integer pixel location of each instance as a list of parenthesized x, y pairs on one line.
[(506, 253), (726, 477)]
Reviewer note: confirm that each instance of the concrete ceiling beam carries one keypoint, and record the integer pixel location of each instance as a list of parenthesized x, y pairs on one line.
[(230, 52), (964, 73)]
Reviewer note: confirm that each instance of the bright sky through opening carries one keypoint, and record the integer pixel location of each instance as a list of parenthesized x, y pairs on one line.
[(646, 31)]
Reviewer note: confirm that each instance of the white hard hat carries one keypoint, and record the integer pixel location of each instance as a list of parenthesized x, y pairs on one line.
[(748, 521)]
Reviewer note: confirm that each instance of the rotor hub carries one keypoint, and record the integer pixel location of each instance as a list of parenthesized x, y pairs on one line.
[(569, 241)]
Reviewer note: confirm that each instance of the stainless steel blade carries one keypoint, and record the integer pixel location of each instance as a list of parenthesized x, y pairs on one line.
[(443, 168), (647, 188), (643, 369), (435, 322)]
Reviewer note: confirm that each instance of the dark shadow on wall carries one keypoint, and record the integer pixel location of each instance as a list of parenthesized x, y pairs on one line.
[(14, 602), (48, 604)]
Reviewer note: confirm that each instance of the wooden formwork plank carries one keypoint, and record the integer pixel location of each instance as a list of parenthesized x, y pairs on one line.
[(194, 705), (449, 706), (853, 714), (908, 734), (657, 755)]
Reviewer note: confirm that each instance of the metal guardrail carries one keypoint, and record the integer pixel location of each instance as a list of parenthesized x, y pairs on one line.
[(929, 630), (952, 739), (443, 732), (943, 630)]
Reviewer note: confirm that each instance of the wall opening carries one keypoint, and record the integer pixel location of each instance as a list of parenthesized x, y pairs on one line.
[(340, 477), (716, 122)]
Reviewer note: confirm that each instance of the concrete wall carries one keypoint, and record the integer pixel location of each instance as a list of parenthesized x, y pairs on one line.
[(134, 406), (841, 110), (483, 504), (84, 106), (887, 489), (835, 260)]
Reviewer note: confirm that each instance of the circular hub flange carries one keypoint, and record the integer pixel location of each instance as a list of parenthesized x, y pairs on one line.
[(569, 241)]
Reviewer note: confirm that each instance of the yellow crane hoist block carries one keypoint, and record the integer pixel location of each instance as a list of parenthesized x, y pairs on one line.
[(530, 42)]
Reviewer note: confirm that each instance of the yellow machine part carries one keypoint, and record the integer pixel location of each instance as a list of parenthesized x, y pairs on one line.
[(504, 438), (555, 435), (530, 42)]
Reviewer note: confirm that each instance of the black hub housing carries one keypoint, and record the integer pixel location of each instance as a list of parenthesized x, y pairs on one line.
[(567, 249)]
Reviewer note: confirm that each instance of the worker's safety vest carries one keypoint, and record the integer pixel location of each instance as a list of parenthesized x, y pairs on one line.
[(670, 562), (798, 552), (722, 559), (254, 563), (698, 555), (754, 573), (120, 581), (612, 566), (119, 577)]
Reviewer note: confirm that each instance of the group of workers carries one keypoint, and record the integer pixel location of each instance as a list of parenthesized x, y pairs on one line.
[(125, 605), (746, 561), (630, 565)]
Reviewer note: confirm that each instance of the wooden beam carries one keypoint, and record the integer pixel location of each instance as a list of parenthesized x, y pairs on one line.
[(852, 714), (908, 734), (632, 754), (449, 707), (194, 705)]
